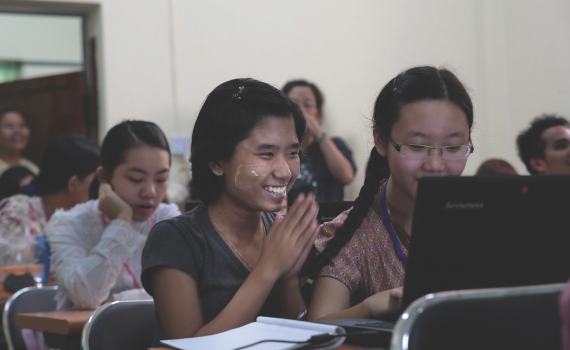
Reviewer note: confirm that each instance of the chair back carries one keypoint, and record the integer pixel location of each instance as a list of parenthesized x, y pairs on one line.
[(31, 299), (128, 324), (499, 318)]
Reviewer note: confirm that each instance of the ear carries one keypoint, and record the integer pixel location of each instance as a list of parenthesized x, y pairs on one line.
[(539, 165), (72, 184), (216, 168), (379, 143), (101, 175)]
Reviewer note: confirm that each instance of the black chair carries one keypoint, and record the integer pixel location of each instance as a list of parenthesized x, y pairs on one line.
[(128, 324), (29, 299), (502, 318)]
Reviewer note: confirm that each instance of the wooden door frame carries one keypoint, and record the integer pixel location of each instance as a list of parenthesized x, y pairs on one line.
[(91, 102)]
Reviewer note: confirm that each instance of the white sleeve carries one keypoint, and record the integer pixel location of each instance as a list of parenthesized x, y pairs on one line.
[(87, 277)]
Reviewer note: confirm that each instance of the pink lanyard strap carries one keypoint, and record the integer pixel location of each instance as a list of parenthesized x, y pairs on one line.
[(105, 224)]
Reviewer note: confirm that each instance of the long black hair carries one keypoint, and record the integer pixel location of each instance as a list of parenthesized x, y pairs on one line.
[(229, 114), (126, 135), (412, 85), (64, 157), (10, 180)]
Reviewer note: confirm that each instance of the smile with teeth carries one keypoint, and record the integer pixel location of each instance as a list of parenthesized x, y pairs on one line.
[(276, 190)]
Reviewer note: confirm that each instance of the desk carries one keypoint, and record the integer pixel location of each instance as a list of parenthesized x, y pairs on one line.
[(59, 322), (62, 329)]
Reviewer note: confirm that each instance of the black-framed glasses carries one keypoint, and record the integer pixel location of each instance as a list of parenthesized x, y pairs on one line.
[(413, 151)]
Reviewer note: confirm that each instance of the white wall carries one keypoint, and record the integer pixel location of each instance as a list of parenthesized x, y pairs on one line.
[(523, 69), (159, 59), (349, 49)]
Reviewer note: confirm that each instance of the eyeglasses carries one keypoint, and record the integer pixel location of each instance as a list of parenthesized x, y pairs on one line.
[(413, 151)]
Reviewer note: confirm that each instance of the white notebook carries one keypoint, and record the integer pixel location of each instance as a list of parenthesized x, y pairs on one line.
[(265, 328)]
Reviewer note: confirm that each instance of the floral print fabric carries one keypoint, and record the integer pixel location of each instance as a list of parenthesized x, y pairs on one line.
[(368, 263), (22, 219)]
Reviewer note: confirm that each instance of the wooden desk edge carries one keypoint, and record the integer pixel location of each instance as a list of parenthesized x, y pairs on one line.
[(46, 322)]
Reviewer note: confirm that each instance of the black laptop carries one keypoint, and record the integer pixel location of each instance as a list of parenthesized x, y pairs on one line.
[(485, 232)]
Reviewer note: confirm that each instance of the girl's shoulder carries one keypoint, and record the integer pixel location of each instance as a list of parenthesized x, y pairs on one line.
[(82, 214), (166, 211), (328, 229), (170, 221)]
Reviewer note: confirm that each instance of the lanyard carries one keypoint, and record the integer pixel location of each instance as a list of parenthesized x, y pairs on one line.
[(389, 227), (127, 267)]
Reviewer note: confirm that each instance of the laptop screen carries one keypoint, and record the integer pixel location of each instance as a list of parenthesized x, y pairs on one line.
[(488, 232)]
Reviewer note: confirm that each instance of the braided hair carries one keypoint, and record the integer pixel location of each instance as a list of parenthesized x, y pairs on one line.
[(412, 85)]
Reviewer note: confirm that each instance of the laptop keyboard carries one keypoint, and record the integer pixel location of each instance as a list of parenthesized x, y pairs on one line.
[(375, 324)]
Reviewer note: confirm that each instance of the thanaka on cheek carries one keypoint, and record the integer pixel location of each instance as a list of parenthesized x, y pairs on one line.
[(249, 176)]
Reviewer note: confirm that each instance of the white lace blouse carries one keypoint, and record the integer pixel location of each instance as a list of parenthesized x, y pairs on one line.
[(89, 258)]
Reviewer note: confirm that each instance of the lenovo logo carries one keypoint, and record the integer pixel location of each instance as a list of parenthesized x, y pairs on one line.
[(450, 205)]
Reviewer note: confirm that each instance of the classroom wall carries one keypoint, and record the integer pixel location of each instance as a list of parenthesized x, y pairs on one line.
[(159, 59)]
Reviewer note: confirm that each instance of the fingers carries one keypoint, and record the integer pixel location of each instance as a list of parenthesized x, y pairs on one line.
[(306, 213), (308, 223), (397, 292), (104, 189), (296, 213)]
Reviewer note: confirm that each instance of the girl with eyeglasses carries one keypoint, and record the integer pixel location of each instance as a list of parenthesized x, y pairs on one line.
[(421, 126)]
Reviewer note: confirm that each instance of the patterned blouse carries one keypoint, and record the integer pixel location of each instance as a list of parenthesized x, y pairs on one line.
[(368, 263), (22, 218)]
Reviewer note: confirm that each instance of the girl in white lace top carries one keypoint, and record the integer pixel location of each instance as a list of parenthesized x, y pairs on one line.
[(96, 246)]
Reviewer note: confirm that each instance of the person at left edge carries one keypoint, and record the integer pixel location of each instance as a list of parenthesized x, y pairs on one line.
[(67, 167)]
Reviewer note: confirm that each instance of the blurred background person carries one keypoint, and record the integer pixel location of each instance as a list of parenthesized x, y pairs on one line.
[(544, 147), (14, 137), (496, 166), (328, 165), (67, 168), (16, 180)]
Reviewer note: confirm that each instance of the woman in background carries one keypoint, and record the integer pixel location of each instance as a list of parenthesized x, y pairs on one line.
[(96, 246), (421, 127), (67, 166), (14, 137), (328, 165)]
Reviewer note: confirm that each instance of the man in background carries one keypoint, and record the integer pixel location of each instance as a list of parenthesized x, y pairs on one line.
[(544, 147)]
